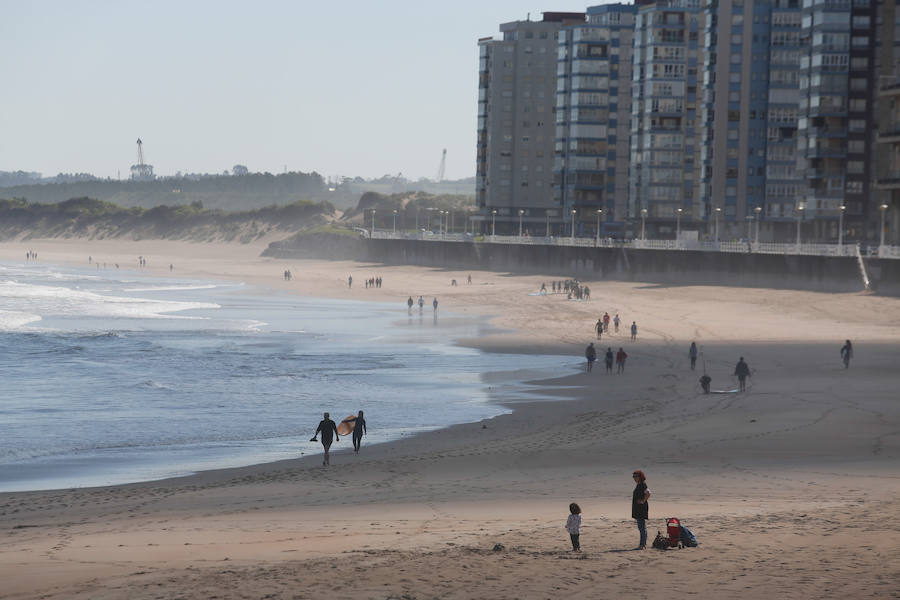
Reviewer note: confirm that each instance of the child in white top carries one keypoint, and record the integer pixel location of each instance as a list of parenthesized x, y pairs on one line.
[(573, 526)]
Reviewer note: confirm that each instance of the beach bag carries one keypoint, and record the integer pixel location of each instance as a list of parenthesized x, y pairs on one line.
[(688, 539), (661, 542)]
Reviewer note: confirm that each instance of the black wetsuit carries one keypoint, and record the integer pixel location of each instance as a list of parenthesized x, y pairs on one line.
[(358, 430), (328, 430)]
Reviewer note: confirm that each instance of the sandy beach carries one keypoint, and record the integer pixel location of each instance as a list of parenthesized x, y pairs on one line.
[(791, 488)]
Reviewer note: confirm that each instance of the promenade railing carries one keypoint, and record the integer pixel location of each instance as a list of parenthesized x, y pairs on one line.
[(739, 247)]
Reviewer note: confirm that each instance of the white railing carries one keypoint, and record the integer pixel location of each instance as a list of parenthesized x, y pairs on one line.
[(740, 247)]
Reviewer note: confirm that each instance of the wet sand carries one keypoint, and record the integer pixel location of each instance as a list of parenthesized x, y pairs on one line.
[(791, 488)]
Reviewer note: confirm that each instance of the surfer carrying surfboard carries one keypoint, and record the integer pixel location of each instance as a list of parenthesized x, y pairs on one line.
[(359, 430)]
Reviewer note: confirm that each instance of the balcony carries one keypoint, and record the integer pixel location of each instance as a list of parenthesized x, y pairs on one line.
[(888, 183), (889, 137)]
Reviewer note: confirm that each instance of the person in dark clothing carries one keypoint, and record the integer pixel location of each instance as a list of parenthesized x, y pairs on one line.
[(692, 353), (609, 360), (359, 430), (742, 371), (640, 508), (591, 355), (704, 383), (328, 429), (847, 353)]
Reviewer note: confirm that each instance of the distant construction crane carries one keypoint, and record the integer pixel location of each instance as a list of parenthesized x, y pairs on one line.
[(141, 171), (440, 173)]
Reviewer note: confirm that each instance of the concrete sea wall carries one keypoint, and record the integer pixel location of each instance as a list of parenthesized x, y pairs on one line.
[(819, 273)]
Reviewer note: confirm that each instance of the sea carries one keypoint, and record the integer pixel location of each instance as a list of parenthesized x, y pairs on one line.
[(111, 376)]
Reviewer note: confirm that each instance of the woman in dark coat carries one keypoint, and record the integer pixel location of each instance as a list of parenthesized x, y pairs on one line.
[(640, 508)]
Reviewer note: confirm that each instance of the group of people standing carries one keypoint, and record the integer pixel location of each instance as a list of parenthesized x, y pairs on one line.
[(328, 430), (591, 355), (640, 512), (373, 282), (421, 302)]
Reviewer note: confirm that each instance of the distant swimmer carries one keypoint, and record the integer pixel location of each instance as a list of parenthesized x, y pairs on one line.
[(742, 371), (847, 353), (359, 430), (692, 354), (328, 430), (633, 331), (609, 360), (591, 355), (621, 356)]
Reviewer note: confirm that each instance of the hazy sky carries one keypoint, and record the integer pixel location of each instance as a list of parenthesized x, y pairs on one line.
[(342, 88)]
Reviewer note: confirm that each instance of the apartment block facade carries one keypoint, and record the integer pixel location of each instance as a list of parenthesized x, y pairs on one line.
[(776, 116), (664, 94), (593, 115), (516, 125)]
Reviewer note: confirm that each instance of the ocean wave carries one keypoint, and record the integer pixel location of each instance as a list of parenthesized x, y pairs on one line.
[(13, 319)]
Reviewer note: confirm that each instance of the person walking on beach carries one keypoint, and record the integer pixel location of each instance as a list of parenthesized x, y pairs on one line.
[(847, 353), (573, 526), (591, 355), (609, 359), (599, 328), (742, 371), (704, 383), (421, 303), (692, 353), (633, 331), (359, 430), (620, 361), (329, 431), (350, 281), (640, 507), (616, 322), (409, 304), (605, 321), (434, 303)]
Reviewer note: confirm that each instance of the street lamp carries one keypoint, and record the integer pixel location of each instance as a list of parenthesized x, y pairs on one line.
[(841, 229), (800, 208), (573, 224), (548, 223), (493, 223), (521, 212), (718, 210), (643, 224), (883, 208), (599, 212), (678, 212), (395, 221), (373, 223), (757, 210)]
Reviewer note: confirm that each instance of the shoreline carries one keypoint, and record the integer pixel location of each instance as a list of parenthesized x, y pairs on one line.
[(794, 464)]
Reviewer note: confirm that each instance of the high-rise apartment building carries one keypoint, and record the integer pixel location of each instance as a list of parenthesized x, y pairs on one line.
[(887, 143), (593, 114), (664, 115), (516, 124), (734, 126), (835, 123)]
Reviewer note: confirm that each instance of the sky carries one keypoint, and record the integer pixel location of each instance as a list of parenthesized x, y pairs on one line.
[(355, 88)]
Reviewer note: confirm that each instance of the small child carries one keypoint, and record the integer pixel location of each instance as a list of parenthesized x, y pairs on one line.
[(573, 526)]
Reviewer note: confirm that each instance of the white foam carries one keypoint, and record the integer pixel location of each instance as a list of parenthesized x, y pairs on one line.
[(12, 319), (61, 301), (172, 288)]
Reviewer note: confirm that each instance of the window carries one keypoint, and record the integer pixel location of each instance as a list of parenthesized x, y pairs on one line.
[(856, 146), (856, 166), (858, 104)]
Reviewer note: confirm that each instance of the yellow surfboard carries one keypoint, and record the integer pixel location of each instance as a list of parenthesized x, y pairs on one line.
[(346, 426)]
